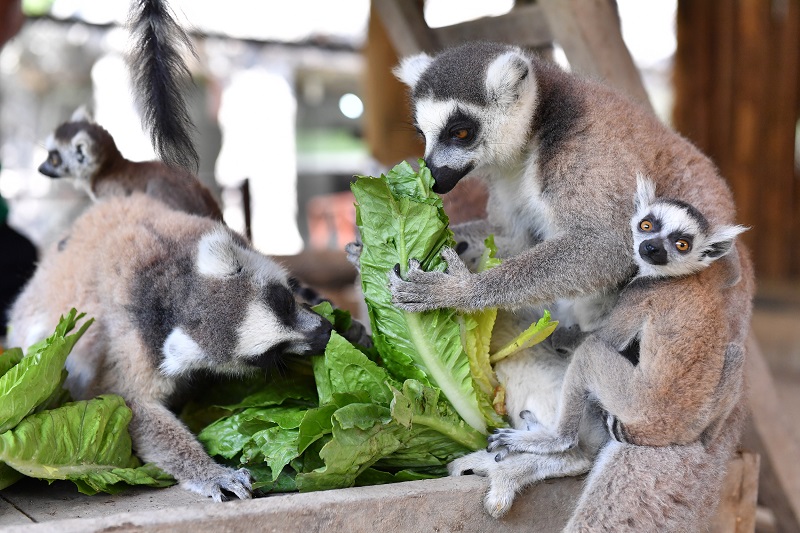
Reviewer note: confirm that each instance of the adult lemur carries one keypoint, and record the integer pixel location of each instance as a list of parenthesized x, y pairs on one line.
[(172, 294), (559, 155)]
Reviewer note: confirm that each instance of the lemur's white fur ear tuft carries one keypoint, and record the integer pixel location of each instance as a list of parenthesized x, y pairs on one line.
[(505, 76), (181, 353), (81, 115), (645, 192), (721, 241), (217, 255), (411, 68)]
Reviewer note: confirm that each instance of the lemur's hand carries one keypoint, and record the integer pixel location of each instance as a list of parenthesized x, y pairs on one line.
[(353, 251), (536, 438), (423, 291)]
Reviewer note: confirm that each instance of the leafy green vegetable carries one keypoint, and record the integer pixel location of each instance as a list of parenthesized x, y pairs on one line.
[(536, 333), (39, 375), (423, 396), (86, 442), (401, 218), (9, 358)]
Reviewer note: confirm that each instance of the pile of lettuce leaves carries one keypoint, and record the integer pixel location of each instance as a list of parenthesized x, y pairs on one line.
[(45, 435), (424, 394)]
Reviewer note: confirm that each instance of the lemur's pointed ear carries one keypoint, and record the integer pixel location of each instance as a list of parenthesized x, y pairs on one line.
[(645, 192), (411, 68), (81, 115), (217, 255), (505, 77), (721, 241)]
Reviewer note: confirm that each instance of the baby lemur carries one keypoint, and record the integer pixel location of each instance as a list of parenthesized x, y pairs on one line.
[(84, 150), (172, 294), (667, 365)]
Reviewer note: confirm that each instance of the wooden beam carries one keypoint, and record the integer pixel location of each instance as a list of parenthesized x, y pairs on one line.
[(589, 33), (405, 24), (523, 26)]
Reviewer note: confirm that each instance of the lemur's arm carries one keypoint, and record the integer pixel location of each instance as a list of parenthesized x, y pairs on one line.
[(159, 437), (575, 263), (597, 369)]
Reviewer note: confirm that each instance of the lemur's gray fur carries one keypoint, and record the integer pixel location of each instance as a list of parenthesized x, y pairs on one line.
[(559, 155), (172, 294)]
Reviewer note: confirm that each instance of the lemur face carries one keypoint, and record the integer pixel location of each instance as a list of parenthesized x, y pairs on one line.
[(239, 312), (672, 238), (70, 155), (470, 105), (76, 148)]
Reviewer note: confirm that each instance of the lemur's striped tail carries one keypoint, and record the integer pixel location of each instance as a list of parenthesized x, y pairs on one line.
[(158, 70)]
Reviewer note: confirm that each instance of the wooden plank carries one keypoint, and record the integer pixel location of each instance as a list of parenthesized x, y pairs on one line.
[(737, 507), (771, 428), (524, 26), (404, 22), (589, 33)]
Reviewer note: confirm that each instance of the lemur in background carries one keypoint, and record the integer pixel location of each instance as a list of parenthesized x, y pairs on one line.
[(172, 294), (559, 155), (84, 150)]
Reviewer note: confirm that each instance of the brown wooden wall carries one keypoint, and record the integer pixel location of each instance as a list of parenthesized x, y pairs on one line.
[(737, 96)]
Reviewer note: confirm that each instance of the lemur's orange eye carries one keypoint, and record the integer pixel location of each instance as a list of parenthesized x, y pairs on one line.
[(682, 245), (645, 225), (461, 134)]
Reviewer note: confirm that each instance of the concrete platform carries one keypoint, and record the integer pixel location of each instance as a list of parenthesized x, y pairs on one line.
[(440, 505)]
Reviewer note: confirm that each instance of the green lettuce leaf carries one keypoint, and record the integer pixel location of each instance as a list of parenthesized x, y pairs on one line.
[(87, 442), (535, 334), (9, 358), (38, 376), (400, 218)]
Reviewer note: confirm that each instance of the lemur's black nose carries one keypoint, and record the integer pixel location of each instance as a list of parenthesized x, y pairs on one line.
[(653, 251), (445, 178)]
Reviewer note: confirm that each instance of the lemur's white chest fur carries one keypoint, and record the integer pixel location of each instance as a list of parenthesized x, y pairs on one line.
[(517, 204)]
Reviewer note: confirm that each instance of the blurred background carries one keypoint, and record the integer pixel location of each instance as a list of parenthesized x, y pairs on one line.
[(291, 103)]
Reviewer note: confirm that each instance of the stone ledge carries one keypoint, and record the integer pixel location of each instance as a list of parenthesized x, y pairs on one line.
[(442, 505)]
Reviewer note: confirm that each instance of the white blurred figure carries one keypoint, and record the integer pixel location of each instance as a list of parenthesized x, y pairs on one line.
[(257, 119)]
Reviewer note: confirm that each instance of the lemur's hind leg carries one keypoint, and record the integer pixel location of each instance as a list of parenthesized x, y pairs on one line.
[(596, 369)]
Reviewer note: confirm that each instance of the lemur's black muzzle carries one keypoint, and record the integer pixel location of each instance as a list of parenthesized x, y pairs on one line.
[(445, 178), (653, 251), (47, 169)]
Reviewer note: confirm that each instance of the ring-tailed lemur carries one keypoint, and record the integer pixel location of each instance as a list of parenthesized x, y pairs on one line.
[(171, 294), (559, 155), (667, 365), (665, 370), (84, 150)]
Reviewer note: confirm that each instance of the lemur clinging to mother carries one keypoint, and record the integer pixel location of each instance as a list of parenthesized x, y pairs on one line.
[(559, 155), (668, 363), (665, 370)]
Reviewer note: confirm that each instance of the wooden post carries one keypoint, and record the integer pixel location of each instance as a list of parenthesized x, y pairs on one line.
[(589, 33)]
